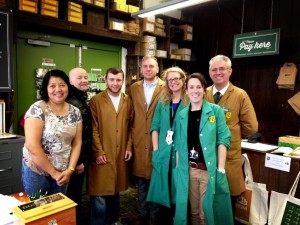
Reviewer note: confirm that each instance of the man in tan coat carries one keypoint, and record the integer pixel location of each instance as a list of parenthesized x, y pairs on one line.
[(112, 149), (240, 118), (144, 95)]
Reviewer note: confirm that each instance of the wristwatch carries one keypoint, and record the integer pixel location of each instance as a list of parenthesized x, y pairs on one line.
[(221, 170)]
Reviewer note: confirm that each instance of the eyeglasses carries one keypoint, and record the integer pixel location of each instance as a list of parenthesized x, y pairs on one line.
[(221, 69), (176, 79)]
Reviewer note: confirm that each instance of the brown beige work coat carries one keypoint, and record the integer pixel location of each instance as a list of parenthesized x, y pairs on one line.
[(141, 137), (111, 136), (242, 122)]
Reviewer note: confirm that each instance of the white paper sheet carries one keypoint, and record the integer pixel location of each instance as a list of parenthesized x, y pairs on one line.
[(258, 146)]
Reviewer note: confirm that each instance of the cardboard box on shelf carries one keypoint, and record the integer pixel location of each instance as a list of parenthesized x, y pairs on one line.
[(159, 31), (159, 20), (148, 45), (119, 1), (49, 7), (29, 6), (289, 141), (132, 8), (148, 27), (149, 38), (88, 1), (150, 19), (46, 12), (186, 28), (50, 2), (75, 19), (161, 53), (151, 52), (114, 25), (188, 37), (186, 57), (181, 51), (119, 7), (75, 7), (159, 25), (100, 3)]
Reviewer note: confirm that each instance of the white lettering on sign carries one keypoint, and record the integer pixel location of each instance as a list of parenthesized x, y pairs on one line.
[(249, 45)]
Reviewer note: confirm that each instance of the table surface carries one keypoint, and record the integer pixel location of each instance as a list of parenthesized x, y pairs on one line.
[(20, 197)]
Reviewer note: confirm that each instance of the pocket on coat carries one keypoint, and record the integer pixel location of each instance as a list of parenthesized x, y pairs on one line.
[(221, 183)]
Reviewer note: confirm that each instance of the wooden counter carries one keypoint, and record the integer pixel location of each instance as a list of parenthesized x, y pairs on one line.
[(275, 180)]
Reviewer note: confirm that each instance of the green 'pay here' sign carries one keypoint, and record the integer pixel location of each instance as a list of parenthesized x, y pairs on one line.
[(257, 43)]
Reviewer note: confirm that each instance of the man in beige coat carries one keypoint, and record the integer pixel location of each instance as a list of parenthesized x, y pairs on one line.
[(144, 95), (112, 149), (240, 118)]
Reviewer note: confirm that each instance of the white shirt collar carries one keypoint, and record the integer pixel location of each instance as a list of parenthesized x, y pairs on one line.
[(222, 91)]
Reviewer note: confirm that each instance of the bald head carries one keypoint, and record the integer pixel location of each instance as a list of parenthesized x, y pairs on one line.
[(79, 78)]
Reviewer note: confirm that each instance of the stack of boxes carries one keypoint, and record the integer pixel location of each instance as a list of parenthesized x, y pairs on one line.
[(28, 5), (181, 53), (74, 12), (159, 28), (187, 32), (132, 27), (49, 8), (148, 45), (149, 24)]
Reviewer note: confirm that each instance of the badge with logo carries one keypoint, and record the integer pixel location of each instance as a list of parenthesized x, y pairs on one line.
[(228, 115), (212, 119)]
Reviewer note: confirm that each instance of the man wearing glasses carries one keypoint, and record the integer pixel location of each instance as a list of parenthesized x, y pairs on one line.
[(240, 118)]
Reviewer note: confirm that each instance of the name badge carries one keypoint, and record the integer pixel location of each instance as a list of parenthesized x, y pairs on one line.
[(169, 138)]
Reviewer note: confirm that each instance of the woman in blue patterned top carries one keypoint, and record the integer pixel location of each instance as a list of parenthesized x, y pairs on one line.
[(53, 130)]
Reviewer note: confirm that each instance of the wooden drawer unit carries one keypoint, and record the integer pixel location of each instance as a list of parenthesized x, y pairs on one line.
[(11, 165)]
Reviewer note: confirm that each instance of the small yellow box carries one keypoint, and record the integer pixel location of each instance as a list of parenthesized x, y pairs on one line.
[(28, 6), (119, 7), (54, 207), (75, 19), (88, 1), (46, 12), (50, 2), (49, 7), (74, 14), (75, 7), (132, 8), (100, 3), (119, 1)]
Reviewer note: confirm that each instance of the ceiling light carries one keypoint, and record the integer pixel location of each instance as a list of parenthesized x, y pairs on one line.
[(166, 7)]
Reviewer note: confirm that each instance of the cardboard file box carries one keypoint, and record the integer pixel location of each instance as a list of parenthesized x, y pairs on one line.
[(54, 208)]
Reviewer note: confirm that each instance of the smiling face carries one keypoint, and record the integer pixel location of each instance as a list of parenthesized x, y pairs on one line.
[(195, 91), (79, 79), (114, 83), (220, 73), (57, 90), (175, 81), (149, 69)]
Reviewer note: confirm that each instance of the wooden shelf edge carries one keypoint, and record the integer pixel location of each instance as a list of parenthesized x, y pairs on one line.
[(57, 24)]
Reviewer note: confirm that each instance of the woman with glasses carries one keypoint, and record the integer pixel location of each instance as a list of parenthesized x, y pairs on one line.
[(173, 100), (202, 139)]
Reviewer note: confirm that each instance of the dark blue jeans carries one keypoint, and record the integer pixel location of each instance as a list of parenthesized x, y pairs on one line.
[(104, 209), (145, 209), (33, 182)]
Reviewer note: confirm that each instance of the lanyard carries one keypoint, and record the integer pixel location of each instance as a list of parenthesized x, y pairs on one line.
[(174, 114)]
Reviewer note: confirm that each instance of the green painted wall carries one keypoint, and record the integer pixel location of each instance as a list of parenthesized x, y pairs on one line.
[(28, 58)]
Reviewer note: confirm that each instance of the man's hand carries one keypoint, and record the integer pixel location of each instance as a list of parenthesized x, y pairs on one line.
[(128, 155), (101, 160), (79, 169)]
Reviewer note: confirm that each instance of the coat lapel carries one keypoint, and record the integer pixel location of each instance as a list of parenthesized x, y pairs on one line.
[(184, 113), (206, 109)]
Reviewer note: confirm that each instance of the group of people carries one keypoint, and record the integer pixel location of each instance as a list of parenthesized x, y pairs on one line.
[(182, 138)]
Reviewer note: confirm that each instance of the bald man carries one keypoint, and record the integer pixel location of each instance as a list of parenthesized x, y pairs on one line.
[(78, 97)]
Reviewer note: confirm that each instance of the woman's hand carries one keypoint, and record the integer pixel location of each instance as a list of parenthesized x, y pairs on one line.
[(79, 169), (64, 177)]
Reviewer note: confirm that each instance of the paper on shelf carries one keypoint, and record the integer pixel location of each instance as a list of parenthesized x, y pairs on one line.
[(258, 146)]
